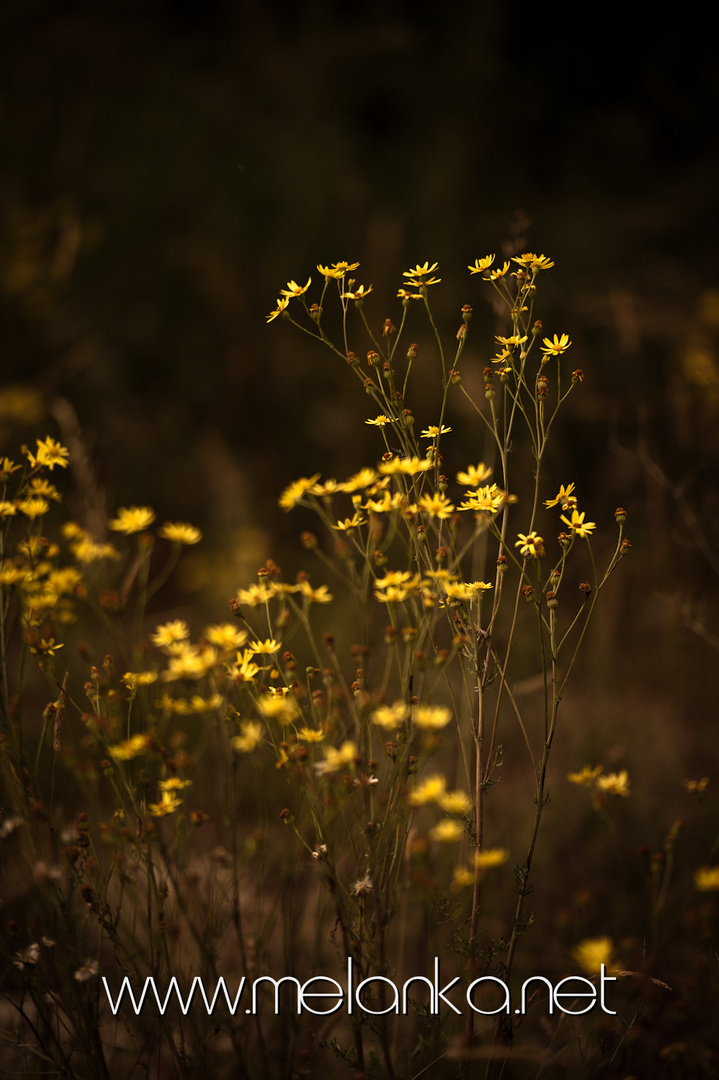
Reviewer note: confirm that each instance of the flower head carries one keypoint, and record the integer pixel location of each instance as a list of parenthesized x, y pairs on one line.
[(49, 453), (132, 519), (556, 346), (563, 497), (295, 491), (281, 305), (180, 532), (591, 953), (578, 525), (530, 544), (480, 265), (293, 289)]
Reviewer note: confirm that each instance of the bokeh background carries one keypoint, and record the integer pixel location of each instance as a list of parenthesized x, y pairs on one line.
[(168, 166)]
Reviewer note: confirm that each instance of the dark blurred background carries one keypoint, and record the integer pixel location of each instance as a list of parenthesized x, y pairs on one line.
[(168, 166)]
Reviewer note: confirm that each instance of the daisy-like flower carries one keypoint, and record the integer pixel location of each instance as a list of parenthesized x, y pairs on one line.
[(533, 262), (530, 544), (169, 804), (320, 595), (706, 879), (474, 475), (192, 663), (226, 636), (33, 508), (380, 421), (310, 735), (447, 831), (431, 717), (494, 275), (264, 648), (586, 776), (361, 480), (336, 759), (404, 294), (512, 341), (591, 953), (49, 453), (358, 294), (282, 303), (578, 525), (254, 595), (455, 802), (420, 271), (430, 790), (480, 265), (556, 346), (42, 488), (433, 431), (7, 509), (170, 633), (436, 505), (130, 748), (407, 466), (562, 498), (390, 717), (614, 783), (132, 519), (179, 532), (350, 523), (133, 679), (293, 289), (490, 857), (250, 738), (174, 784), (337, 270), (295, 491)]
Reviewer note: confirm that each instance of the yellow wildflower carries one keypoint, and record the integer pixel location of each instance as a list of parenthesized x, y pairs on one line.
[(168, 805), (494, 275), (7, 509), (250, 738), (133, 679), (130, 748), (295, 491), (696, 787), (33, 508), (337, 270), (420, 275), (480, 265), (380, 421), (279, 707), (614, 783), (556, 346), (490, 857), (474, 475), (132, 519), (455, 802), (591, 953), (170, 633), (293, 289), (49, 453), (533, 262), (408, 466), (174, 784), (42, 487), (436, 505), (430, 790), (706, 879), (530, 544), (434, 430), (336, 759), (463, 877), (320, 595), (563, 497), (361, 480), (264, 648), (310, 735), (447, 831), (282, 303), (578, 525), (226, 636), (350, 523), (358, 294), (254, 595), (192, 663), (244, 669), (390, 717), (431, 717), (179, 532), (586, 776)]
